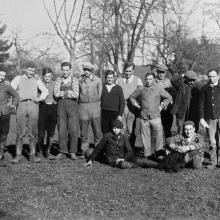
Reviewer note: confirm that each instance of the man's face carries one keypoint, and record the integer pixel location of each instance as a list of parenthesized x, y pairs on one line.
[(189, 130), (116, 131), (149, 80), (87, 72), (30, 71), (161, 74), (190, 82), (65, 71), (2, 76), (110, 79), (129, 72), (213, 77), (47, 77)]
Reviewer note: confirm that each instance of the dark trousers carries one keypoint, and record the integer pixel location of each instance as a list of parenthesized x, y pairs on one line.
[(47, 121), (4, 129), (167, 121), (106, 119), (68, 125)]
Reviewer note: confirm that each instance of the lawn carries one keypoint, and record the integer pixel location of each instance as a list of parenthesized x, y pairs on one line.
[(69, 190)]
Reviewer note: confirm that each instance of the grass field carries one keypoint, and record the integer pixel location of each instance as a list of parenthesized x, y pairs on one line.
[(68, 190)]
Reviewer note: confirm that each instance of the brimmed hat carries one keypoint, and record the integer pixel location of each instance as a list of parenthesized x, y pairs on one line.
[(188, 123), (191, 75), (161, 67), (117, 124), (87, 65)]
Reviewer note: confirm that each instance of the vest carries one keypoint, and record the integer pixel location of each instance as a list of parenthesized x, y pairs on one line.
[(27, 88), (50, 97)]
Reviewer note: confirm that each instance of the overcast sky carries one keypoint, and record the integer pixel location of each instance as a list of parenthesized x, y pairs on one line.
[(29, 18)]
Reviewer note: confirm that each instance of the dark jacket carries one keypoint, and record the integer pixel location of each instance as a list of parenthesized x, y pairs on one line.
[(209, 104), (181, 103), (113, 147), (6, 92)]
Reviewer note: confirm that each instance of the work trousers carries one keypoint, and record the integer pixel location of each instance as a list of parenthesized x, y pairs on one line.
[(27, 120), (47, 122), (152, 129), (90, 113), (128, 120), (68, 125)]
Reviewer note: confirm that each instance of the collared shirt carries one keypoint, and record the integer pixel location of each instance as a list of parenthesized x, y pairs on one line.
[(129, 85), (66, 87), (44, 91), (179, 140), (164, 83), (109, 87), (150, 100), (90, 89), (114, 147), (6, 92)]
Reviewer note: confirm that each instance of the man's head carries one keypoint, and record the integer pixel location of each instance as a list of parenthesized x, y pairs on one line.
[(66, 69), (117, 125), (188, 128), (30, 69), (161, 71), (2, 76), (149, 79), (47, 74), (110, 77), (213, 76), (87, 69), (129, 70), (190, 77)]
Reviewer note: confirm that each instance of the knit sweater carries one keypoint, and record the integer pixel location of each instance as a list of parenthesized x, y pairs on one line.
[(113, 100)]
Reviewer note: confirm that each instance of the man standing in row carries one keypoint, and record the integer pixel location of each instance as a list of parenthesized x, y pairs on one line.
[(210, 112), (150, 97), (90, 90), (6, 92), (129, 83), (67, 91), (28, 86)]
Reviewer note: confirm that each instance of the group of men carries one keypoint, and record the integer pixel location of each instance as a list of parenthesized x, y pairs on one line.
[(75, 103)]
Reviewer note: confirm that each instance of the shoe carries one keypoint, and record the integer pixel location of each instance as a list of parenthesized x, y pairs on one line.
[(60, 156), (211, 166), (17, 159), (73, 156), (35, 159)]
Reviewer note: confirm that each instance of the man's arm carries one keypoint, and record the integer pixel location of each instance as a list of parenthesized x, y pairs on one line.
[(121, 101), (15, 96), (133, 97), (74, 92), (57, 92), (15, 82), (43, 89), (128, 150), (166, 98)]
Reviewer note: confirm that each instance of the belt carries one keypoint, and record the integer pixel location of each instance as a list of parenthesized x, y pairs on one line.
[(50, 103), (27, 100)]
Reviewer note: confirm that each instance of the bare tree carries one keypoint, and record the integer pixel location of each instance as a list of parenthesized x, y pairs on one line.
[(63, 17)]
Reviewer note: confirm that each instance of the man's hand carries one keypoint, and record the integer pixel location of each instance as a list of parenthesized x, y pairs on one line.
[(203, 123), (36, 100), (119, 160), (137, 105), (172, 146), (182, 149), (89, 163), (119, 118)]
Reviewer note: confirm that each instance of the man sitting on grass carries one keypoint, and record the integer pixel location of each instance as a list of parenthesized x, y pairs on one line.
[(114, 149), (189, 144)]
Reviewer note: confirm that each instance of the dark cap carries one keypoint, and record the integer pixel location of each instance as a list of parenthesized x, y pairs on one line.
[(117, 124), (188, 123), (191, 75)]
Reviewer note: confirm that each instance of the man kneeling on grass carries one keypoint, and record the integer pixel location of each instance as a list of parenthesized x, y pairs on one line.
[(189, 144), (114, 149)]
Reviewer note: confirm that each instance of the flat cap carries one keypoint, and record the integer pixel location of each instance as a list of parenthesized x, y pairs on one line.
[(188, 123), (161, 67), (191, 75), (87, 65)]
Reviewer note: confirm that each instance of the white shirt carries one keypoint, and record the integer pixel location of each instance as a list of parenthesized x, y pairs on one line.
[(109, 87)]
